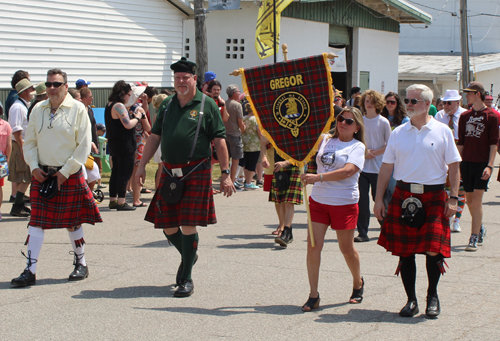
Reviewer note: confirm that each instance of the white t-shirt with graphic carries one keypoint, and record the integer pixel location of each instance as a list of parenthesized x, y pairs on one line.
[(334, 154)]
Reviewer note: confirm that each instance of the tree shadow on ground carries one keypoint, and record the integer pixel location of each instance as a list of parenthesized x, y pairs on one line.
[(158, 243), (231, 311), (127, 292), (369, 316)]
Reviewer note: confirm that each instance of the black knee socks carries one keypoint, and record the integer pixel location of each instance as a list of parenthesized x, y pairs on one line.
[(19, 201), (433, 274), (175, 239), (189, 248), (408, 275)]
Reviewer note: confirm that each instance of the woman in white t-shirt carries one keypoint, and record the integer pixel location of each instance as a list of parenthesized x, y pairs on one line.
[(334, 199)]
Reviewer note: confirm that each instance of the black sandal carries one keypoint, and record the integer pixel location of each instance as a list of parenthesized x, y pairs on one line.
[(312, 303), (357, 294)]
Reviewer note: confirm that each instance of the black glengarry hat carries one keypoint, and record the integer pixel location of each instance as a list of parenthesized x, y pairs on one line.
[(184, 65)]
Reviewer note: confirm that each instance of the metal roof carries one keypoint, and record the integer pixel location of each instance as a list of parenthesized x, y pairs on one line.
[(184, 6), (427, 66), (399, 10)]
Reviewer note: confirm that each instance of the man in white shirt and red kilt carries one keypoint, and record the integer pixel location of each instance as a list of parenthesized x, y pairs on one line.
[(57, 144), (420, 152), (179, 124)]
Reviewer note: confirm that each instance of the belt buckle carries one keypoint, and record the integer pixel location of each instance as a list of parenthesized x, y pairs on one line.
[(51, 169), (177, 172), (417, 188)]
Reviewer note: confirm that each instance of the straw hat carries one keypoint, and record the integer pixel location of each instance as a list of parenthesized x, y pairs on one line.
[(40, 89), (22, 85)]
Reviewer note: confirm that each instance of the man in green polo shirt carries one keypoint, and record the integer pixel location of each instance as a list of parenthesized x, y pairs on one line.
[(175, 129)]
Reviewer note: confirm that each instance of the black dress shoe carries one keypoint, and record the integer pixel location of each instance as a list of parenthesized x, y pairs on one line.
[(433, 307), (178, 278), (25, 279), (186, 288), (409, 310), (81, 272)]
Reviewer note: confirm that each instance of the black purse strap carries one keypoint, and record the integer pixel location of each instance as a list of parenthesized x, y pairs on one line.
[(200, 116)]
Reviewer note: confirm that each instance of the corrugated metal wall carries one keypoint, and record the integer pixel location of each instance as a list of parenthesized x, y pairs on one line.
[(343, 13), (101, 41)]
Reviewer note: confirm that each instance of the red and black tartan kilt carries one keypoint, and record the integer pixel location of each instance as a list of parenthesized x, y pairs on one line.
[(72, 206), (433, 236), (196, 208), (293, 195)]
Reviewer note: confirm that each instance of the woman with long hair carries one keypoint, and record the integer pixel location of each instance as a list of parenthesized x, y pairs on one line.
[(334, 199), (121, 143), (394, 110)]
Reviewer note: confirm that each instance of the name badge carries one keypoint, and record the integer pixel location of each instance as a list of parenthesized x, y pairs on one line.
[(417, 188), (177, 172)]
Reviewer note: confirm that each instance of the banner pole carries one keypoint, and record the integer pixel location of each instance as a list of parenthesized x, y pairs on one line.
[(309, 223)]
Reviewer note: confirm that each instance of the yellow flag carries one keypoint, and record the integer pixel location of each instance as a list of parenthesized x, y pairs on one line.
[(264, 43)]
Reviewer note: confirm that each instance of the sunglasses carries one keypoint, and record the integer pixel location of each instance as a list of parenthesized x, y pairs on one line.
[(447, 102), (348, 121), (55, 84), (391, 102), (413, 101)]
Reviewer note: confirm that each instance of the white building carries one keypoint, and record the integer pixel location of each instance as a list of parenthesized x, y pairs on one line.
[(368, 30), (431, 54), (103, 41)]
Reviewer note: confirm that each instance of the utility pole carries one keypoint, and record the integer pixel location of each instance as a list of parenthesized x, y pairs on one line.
[(464, 37), (201, 40)]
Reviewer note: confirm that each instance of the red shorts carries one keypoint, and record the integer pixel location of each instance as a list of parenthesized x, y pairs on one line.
[(1, 182), (344, 217), (268, 182)]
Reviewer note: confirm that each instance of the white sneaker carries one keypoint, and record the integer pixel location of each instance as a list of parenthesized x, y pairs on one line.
[(456, 227)]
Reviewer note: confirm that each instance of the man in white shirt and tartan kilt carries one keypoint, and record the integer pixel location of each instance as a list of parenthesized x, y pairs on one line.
[(57, 144), (421, 152)]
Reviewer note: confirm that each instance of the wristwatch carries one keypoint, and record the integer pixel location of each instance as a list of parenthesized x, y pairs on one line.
[(225, 171)]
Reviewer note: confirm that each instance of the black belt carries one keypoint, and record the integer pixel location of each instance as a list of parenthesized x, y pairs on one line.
[(49, 169), (427, 188), (199, 167)]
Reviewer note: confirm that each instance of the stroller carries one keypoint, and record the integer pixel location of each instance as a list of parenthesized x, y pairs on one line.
[(98, 195)]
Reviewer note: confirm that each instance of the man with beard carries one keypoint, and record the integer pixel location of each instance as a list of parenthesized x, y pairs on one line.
[(421, 152), (178, 125)]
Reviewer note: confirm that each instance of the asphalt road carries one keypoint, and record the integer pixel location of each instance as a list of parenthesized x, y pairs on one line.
[(246, 287)]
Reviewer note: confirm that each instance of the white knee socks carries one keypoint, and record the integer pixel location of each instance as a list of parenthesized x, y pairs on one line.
[(35, 241), (78, 244)]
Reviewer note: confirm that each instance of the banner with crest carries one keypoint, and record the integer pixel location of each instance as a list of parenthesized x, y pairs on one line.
[(293, 103)]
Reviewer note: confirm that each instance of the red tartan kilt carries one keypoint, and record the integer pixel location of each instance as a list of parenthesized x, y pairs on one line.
[(433, 236), (72, 206), (196, 208)]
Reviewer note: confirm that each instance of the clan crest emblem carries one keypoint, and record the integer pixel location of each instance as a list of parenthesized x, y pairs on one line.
[(291, 110)]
